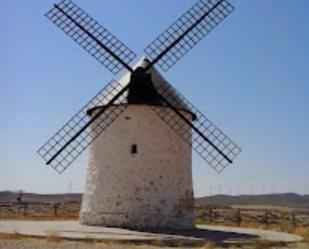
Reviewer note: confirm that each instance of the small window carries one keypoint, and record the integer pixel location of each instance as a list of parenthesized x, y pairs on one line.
[(134, 149)]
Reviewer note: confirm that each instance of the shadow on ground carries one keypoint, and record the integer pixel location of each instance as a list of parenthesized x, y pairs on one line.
[(219, 237)]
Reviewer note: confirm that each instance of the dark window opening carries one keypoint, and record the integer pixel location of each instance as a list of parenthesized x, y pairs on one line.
[(134, 149)]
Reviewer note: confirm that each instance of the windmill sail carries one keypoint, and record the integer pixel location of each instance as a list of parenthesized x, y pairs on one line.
[(74, 137), (92, 36), (207, 140), (186, 32)]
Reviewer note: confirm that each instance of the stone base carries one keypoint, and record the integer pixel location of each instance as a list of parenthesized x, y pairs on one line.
[(134, 221)]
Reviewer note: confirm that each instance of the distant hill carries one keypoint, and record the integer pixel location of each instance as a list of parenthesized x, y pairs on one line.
[(282, 200), (10, 196)]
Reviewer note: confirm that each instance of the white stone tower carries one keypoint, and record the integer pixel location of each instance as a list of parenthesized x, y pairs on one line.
[(139, 172)]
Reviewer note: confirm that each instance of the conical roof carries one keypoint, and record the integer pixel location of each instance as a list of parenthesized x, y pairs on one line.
[(159, 83)]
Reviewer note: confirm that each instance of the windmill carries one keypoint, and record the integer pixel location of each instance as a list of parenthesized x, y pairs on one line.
[(140, 129)]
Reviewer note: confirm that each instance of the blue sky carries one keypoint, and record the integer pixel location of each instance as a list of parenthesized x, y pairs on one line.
[(249, 76)]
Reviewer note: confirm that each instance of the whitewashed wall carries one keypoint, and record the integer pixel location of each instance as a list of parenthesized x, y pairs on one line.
[(152, 188)]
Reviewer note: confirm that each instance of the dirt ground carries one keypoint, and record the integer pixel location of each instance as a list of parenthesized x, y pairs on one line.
[(22, 243)]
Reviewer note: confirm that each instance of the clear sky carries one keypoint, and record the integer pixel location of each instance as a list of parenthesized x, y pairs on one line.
[(249, 76)]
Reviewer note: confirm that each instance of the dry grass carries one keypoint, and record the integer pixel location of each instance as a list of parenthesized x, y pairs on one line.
[(42, 217), (266, 208), (266, 245), (157, 242), (53, 237), (209, 245), (285, 227), (304, 232), (167, 243), (12, 236)]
